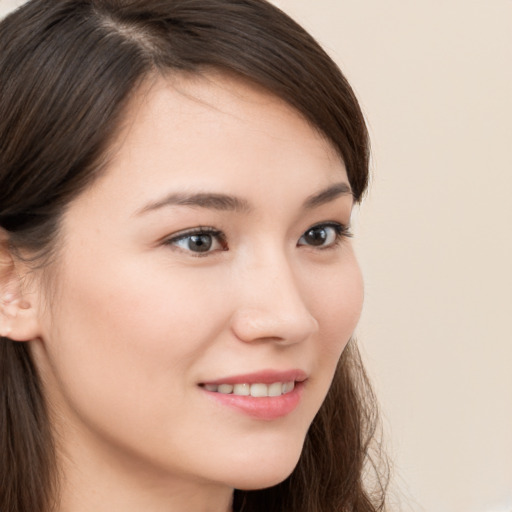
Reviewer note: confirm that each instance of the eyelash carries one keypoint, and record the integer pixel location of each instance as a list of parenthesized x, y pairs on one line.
[(340, 232)]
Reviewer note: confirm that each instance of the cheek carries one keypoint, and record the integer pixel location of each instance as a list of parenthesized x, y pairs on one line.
[(136, 303), (338, 305), (122, 349), (124, 332)]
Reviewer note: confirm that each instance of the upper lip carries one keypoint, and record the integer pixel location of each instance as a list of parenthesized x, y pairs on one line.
[(263, 377)]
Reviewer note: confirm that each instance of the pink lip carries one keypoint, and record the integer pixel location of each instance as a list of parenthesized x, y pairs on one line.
[(263, 408)]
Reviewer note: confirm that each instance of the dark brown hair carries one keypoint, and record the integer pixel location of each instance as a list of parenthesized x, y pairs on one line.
[(67, 71)]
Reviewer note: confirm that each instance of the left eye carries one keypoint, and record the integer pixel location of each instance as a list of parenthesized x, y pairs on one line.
[(324, 235), (200, 242)]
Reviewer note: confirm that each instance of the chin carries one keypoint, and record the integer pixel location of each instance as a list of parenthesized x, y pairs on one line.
[(265, 471), (263, 479), (263, 482)]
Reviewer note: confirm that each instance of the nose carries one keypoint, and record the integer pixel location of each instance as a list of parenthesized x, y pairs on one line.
[(270, 305)]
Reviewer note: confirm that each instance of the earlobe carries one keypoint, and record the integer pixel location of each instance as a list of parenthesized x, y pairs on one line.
[(18, 319), (18, 315)]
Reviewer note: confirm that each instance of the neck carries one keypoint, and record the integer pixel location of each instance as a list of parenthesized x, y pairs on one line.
[(103, 481), (104, 492)]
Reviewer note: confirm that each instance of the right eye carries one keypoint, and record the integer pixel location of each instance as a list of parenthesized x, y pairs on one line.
[(200, 242)]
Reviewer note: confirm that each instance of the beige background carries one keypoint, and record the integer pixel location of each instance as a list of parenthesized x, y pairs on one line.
[(435, 80)]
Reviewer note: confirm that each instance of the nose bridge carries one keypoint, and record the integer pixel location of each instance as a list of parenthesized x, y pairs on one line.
[(271, 305)]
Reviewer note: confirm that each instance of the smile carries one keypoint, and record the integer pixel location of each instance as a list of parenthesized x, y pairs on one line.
[(255, 390), (265, 395)]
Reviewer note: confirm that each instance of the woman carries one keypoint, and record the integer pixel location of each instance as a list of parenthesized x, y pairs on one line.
[(177, 283)]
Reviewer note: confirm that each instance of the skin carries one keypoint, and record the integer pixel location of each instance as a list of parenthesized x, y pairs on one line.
[(137, 320)]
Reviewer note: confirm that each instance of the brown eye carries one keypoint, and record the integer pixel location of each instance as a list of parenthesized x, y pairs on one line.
[(199, 242), (324, 235)]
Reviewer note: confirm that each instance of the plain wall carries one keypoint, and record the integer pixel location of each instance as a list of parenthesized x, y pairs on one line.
[(433, 236)]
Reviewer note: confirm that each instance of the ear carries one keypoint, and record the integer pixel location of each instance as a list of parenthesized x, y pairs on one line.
[(18, 311)]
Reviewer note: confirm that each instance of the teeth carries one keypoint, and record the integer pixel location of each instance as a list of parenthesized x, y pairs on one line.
[(275, 389), (242, 389), (288, 386), (256, 390), (259, 390), (225, 389)]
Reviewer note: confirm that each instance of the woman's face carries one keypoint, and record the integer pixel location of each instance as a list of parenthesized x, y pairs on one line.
[(210, 260)]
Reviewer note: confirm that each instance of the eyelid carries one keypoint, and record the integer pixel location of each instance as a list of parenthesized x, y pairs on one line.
[(332, 223), (192, 231)]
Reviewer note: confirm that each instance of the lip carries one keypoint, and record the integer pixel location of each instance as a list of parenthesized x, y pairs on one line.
[(262, 408)]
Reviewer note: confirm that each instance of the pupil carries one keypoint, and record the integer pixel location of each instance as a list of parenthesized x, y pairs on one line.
[(200, 243), (316, 236)]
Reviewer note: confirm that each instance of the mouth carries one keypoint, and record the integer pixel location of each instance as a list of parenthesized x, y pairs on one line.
[(266, 395)]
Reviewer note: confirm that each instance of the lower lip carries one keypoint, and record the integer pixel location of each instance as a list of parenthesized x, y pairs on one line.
[(263, 408)]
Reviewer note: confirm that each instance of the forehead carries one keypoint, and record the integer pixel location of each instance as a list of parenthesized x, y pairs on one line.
[(216, 133), (211, 102)]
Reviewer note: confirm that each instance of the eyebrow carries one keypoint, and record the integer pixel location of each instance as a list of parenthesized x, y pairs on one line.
[(207, 200), (224, 202), (327, 195)]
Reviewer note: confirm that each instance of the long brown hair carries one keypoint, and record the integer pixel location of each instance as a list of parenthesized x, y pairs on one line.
[(67, 70)]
